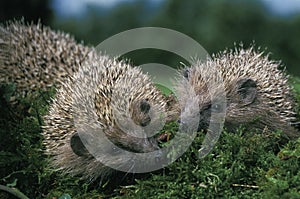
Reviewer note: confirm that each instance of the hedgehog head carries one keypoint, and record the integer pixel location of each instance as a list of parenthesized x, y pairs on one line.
[(106, 107), (256, 91)]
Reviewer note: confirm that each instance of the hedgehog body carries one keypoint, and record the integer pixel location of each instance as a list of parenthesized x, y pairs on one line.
[(256, 92), (103, 96), (36, 57), (95, 96)]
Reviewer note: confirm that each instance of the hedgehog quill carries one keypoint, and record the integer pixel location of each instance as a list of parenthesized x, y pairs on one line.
[(35, 57), (116, 87), (257, 92)]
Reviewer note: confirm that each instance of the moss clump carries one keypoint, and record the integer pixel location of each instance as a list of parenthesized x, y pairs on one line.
[(241, 165)]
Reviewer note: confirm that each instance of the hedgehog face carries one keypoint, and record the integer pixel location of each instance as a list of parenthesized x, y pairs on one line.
[(242, 103), (239, 100), (144, 117), (240, 95), (209, 94), (126, 139), (125, 122)]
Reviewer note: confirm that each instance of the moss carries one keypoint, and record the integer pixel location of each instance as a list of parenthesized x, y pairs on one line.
[(241, 165), (238, 167)]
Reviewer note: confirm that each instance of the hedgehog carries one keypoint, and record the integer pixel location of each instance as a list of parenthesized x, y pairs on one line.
[(106, 98), (255, 91), (34, 57), (127, 106)]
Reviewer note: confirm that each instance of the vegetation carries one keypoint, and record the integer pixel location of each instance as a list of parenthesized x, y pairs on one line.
[(216, 25), (241, 165)]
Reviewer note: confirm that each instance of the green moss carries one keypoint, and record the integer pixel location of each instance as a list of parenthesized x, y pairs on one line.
[(241, 165), (238, 167)]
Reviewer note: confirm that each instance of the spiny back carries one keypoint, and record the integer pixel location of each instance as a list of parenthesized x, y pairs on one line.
[(36, 57), (256, 91), (104, 95), (271, 82)]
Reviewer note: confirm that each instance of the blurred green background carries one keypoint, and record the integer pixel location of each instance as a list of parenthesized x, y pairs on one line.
[(216, 25)]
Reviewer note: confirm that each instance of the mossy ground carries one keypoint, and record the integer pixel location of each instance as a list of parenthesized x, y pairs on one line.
[(241, 165)]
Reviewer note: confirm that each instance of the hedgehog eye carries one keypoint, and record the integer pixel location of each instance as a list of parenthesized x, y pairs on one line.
[(145, 106)]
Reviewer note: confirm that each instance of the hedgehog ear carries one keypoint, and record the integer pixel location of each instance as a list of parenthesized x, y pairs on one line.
[(186, 73), (247, 90), (145, 106), (77, 146)]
